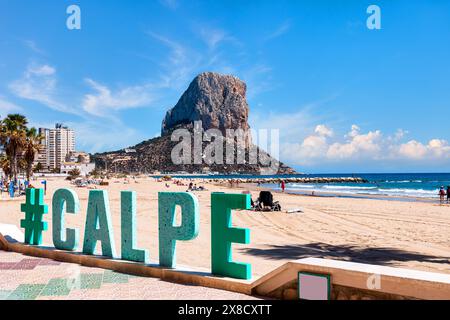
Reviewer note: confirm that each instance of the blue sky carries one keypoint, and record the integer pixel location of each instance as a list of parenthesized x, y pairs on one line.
[(345, 98)]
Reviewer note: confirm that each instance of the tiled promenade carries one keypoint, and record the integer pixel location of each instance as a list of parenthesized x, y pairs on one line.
[(29, 278)]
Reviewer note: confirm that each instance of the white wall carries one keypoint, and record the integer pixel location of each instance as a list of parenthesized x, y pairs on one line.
[(85, 169)]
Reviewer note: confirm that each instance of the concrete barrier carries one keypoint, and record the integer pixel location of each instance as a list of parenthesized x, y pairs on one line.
[(349, 281), (183, 275), (356, 281)]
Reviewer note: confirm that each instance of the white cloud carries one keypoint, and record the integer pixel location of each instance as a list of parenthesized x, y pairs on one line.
[(184, 61), (434, 149), (180, 64), (357, 145), (38, 83), (315, 145), (171, 4), (212, 37), (7, 107), (294, 126), (104, 100), (281, 30), (400, 134), (354, 131), (42, 70), (412, 150), (322, 147), (312, 146), (33, 46), (323, 131), (439, 147), (178, 53)]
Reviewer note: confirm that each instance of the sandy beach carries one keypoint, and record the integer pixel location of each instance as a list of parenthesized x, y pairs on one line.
[(395, 233)]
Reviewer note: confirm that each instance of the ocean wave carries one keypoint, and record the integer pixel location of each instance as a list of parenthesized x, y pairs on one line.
[(412, 192), (403, 181), (347, 188), (299, 185), (394, 192)]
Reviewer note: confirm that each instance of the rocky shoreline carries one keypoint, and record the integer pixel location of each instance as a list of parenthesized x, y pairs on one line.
[(289, 180)]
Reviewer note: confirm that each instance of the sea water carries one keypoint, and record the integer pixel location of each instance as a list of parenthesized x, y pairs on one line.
[(416, 185), (395, 185)]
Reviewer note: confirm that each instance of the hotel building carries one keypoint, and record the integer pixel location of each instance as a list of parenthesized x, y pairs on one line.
[(57, 144)]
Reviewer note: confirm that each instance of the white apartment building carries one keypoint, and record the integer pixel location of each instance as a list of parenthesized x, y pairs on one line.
[(84, 168), (56, 145)]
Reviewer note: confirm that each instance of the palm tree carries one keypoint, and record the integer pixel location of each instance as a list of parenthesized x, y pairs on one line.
[(38, 167), (32, 147), (13, 137), (4, 165), (73, 174), (21, 164)]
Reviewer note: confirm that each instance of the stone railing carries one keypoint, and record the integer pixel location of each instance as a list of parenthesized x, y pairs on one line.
[(356, 281)]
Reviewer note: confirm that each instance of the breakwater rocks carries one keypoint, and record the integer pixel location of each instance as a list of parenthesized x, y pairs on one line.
[(291, 180)]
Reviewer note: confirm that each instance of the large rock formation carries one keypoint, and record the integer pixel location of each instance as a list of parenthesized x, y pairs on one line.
[(219, 102), (216, 100)]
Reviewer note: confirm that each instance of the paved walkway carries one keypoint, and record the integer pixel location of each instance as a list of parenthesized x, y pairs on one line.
[(29, 278)]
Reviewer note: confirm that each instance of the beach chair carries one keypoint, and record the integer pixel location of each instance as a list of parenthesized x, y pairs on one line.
[(265, 202)]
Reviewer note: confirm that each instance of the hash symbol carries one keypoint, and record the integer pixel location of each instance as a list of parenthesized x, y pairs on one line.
[(34, 209)]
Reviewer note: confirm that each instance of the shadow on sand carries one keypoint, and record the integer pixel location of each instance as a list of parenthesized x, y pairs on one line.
[(380, 256)]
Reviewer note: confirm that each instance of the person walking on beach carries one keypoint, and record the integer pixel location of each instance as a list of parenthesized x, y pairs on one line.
[(442, 194), (448, 194), (11, 189), (283, 186)]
